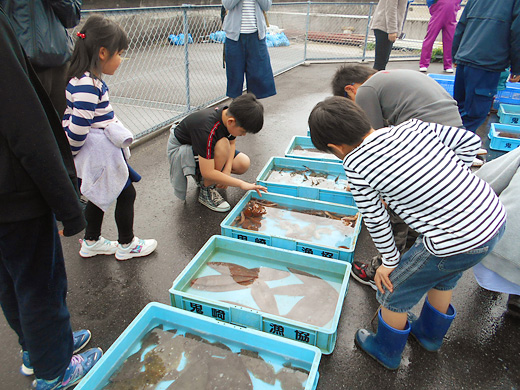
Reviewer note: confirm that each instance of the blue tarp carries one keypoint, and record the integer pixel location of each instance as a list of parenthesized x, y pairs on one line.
[(178, 40), (272, 40)]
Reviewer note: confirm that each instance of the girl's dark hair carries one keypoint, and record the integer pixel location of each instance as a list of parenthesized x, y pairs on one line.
[(97, 32), (348, 75), (338, 121), (248, 112)]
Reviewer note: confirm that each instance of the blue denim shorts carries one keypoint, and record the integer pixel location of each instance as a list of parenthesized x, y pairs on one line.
[(419, 271)]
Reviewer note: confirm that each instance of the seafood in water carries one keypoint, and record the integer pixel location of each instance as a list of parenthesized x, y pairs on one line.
[(208, 366), (319, 298), (235, 277), (256, 210)]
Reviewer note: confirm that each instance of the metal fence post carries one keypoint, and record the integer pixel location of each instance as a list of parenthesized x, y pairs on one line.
[(307, 23), (366, 32), (186, 59)]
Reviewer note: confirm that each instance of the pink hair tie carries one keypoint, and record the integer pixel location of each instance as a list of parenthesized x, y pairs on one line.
[(81, 35)]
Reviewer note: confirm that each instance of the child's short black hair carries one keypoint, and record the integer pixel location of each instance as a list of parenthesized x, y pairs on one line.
[(338, 121), (348, 75), (248, 112)]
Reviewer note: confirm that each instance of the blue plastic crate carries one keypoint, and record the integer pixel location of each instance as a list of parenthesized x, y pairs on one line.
[(306, 189), (501, 142), (340, 250), (300, 145), (509, 114), (510, 95), (446, 81), (325, 290), (272, 349)]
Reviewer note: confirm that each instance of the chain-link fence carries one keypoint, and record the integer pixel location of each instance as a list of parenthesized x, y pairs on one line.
[(174, 64)]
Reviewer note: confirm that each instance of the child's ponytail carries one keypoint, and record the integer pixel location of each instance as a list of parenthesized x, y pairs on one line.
[(97, 32)]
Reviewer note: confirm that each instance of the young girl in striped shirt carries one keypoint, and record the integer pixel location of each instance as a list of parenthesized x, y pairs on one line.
[(422, 172), (99, 142)]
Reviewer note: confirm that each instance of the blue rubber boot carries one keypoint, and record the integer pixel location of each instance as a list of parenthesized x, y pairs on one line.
[(431, 326), (385, 346)]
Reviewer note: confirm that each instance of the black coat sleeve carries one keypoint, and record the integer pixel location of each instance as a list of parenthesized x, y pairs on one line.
[(32, 134)]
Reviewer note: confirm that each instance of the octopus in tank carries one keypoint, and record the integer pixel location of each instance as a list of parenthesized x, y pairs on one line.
[(316, 307), (205, 366)]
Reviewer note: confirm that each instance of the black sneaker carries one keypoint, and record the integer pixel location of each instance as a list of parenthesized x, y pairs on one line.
[(365, 273)]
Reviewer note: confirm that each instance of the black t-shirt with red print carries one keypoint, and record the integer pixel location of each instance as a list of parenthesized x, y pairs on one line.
[(202, 130)]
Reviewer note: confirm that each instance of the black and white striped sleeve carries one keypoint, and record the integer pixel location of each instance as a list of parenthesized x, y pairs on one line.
[(464, 143), (376, 218)]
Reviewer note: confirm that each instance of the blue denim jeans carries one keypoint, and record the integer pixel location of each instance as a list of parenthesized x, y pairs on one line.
[(419, 271), (473, 90), (33, 287), (249, 56)]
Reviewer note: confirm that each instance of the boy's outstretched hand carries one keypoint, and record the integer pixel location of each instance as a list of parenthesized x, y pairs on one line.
[(250, 186), (383, 278)]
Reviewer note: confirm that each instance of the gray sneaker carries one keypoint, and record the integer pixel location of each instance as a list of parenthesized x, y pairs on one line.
[(210, 197)]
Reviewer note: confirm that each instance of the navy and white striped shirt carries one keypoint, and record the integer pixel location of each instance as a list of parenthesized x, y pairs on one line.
[(248, 24), (422, 171), (87, 106)]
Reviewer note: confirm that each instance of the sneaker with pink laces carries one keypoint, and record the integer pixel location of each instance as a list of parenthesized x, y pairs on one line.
[(137, 248)]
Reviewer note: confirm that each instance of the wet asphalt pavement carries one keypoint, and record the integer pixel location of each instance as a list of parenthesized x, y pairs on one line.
[(481, 350)]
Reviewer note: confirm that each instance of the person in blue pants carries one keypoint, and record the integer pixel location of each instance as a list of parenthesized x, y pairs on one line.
[(37, 179), (486, 42)]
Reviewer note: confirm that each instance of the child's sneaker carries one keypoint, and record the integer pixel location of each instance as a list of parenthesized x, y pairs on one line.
[(210, 197), (137, 248), (77, 369), (101, 247), (81, 339), (365, 273)]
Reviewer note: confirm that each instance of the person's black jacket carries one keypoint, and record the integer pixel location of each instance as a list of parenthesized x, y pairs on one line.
[(40, 26), (36, 166)]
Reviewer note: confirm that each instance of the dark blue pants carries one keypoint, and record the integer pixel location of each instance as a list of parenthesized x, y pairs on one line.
[(249, 55), (33, 287), (474, 90)]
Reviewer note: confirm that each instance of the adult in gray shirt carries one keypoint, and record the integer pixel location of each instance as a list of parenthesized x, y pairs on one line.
[(391, 97)]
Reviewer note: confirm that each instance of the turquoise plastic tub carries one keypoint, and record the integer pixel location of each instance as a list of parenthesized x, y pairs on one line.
[(509, 114), (273, 350), (501, 142), (446, 81), (302, 147), (332, 247), (306, 292), (336, 179), (510, 95)]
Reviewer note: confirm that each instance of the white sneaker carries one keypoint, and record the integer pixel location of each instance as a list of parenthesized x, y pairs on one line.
[(101, 247), (449, 70), (137, 248), (477, 163), (481, 151), (423, 69)]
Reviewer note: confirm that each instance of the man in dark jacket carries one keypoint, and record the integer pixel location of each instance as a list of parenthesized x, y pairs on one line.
[(40, 26), (486, 42), (36, 185)]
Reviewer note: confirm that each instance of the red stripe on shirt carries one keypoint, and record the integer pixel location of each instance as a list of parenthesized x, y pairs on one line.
[(210, 139)]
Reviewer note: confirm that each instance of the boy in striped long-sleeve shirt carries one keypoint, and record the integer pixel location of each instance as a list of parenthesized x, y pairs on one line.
[(422, 171)]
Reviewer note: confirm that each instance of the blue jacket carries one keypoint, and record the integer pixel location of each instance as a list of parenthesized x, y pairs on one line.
[(40, 26), (488, 35)]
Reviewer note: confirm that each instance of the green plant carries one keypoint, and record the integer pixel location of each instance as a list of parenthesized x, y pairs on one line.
[(437, 55), (371, 46)]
